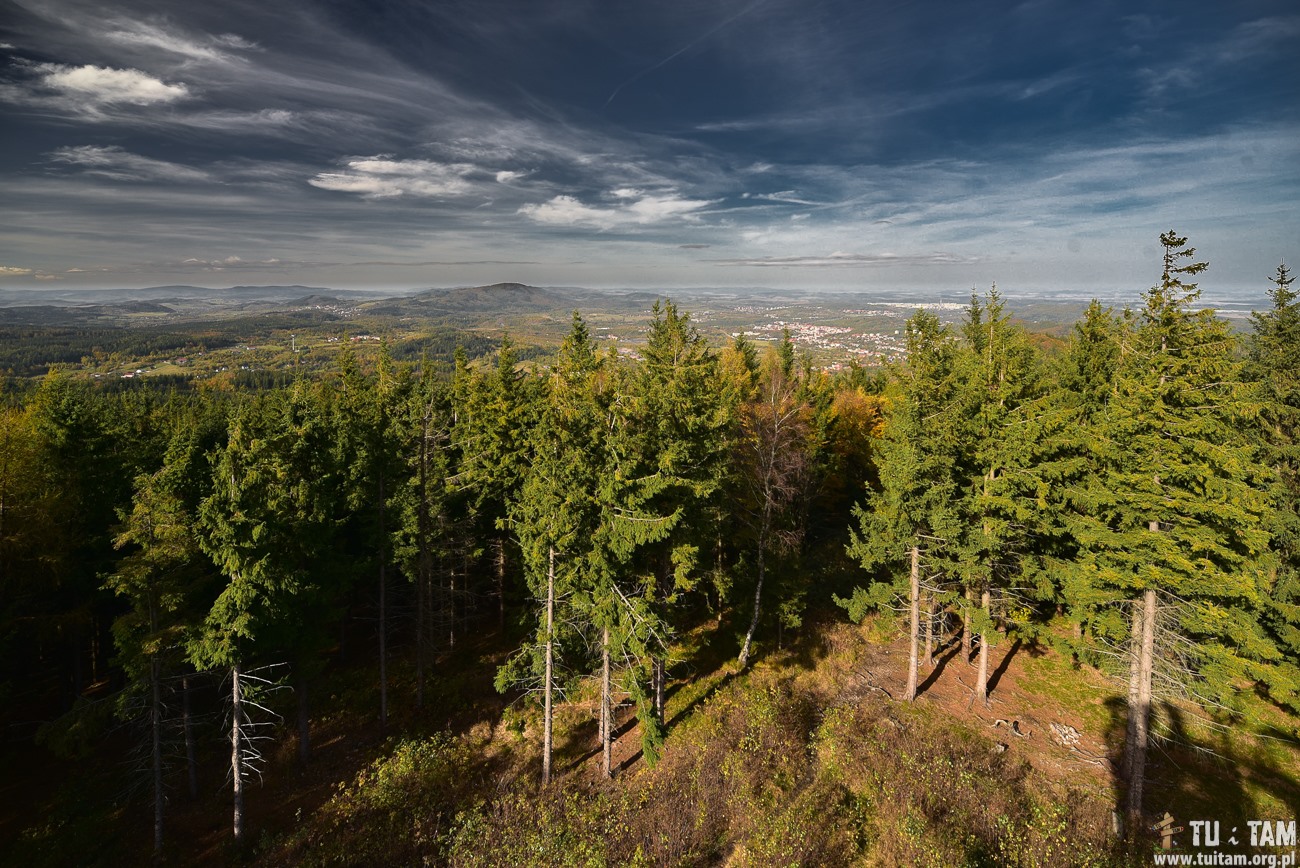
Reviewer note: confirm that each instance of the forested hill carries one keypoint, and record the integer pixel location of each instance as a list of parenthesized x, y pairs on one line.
[(706, 606)]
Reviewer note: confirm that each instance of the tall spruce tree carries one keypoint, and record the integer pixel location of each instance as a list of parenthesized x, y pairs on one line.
[(677, 438), (1275, 362), (999, 373), (909, 528), (1170, 526), (160, 576), (555, 516), (266, 525)]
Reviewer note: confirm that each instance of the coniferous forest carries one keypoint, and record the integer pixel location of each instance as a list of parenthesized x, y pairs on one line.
[(1005, 602)]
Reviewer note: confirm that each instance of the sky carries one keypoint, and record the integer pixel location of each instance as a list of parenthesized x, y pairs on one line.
[(820, 144)]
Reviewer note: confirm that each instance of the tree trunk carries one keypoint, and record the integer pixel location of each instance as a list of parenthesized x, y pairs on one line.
[(982, 677), (1134, 668), (451, 610), (965, 630), (236, 758), (383, 614), (423, 529), (421, 631), (758, 594), (914, 622), (606, 709), (1140, 711), (550, 670), (501, 585), (658, 676), (304, 722), (929, 629), (156, 726), (191, 764)]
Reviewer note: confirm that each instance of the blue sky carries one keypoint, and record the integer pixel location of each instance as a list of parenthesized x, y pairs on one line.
[(783, 143)]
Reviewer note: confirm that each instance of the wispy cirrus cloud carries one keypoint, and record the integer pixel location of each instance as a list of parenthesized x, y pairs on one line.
[(120, 165), (850, 260), (149, 35)]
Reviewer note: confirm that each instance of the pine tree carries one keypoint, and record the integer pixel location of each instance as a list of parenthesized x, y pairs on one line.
[(160, 577), (1172, 519), (999, 373), (369, 445), (423, 535), (1275, 363), (674, 448), (266, 525), (494, 415), (910, 526), (555, 515)]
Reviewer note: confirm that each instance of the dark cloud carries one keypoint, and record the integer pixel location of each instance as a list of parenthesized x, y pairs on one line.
[(359, 140)]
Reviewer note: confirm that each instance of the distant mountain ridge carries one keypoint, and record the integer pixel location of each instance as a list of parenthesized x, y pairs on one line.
[(178, 292), (491, 299)]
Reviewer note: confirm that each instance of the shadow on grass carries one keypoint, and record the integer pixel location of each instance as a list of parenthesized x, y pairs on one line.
[(1202, 768)]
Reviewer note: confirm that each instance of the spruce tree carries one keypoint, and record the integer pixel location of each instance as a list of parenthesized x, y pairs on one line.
[(999, 375), (908, 529), (1275, 363), (1170, 526)]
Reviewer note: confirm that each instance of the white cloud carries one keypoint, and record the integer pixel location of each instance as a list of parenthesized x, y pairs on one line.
[(120, 165), (94, 86), (145, 35), (381, 178), (840, 259), (505, 177), (641, 208), (13, 271)]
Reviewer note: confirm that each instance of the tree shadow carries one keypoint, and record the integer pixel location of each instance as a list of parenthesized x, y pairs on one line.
[(583, 733), (937, 671), (1202, 768), (701, 699), (1001, 669)]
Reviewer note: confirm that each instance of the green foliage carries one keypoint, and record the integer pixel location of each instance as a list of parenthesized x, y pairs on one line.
[(1173, 450), (398, 810)]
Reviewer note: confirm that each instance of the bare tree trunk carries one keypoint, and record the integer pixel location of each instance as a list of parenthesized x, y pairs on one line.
[(914, 623), (982, 677), (758, 591), (606, 709), (383, 614), (156, 726), (451, 609), (423, 523), (421, 631), (304, 722), (929, 629), (236, 759), (965, 630), (501, 585), (1140, 711), (550, 670), (191, 764), (657, 671), (1134, 669)]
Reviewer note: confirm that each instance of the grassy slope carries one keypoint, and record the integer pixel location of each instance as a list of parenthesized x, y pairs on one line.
[(805, 759)]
